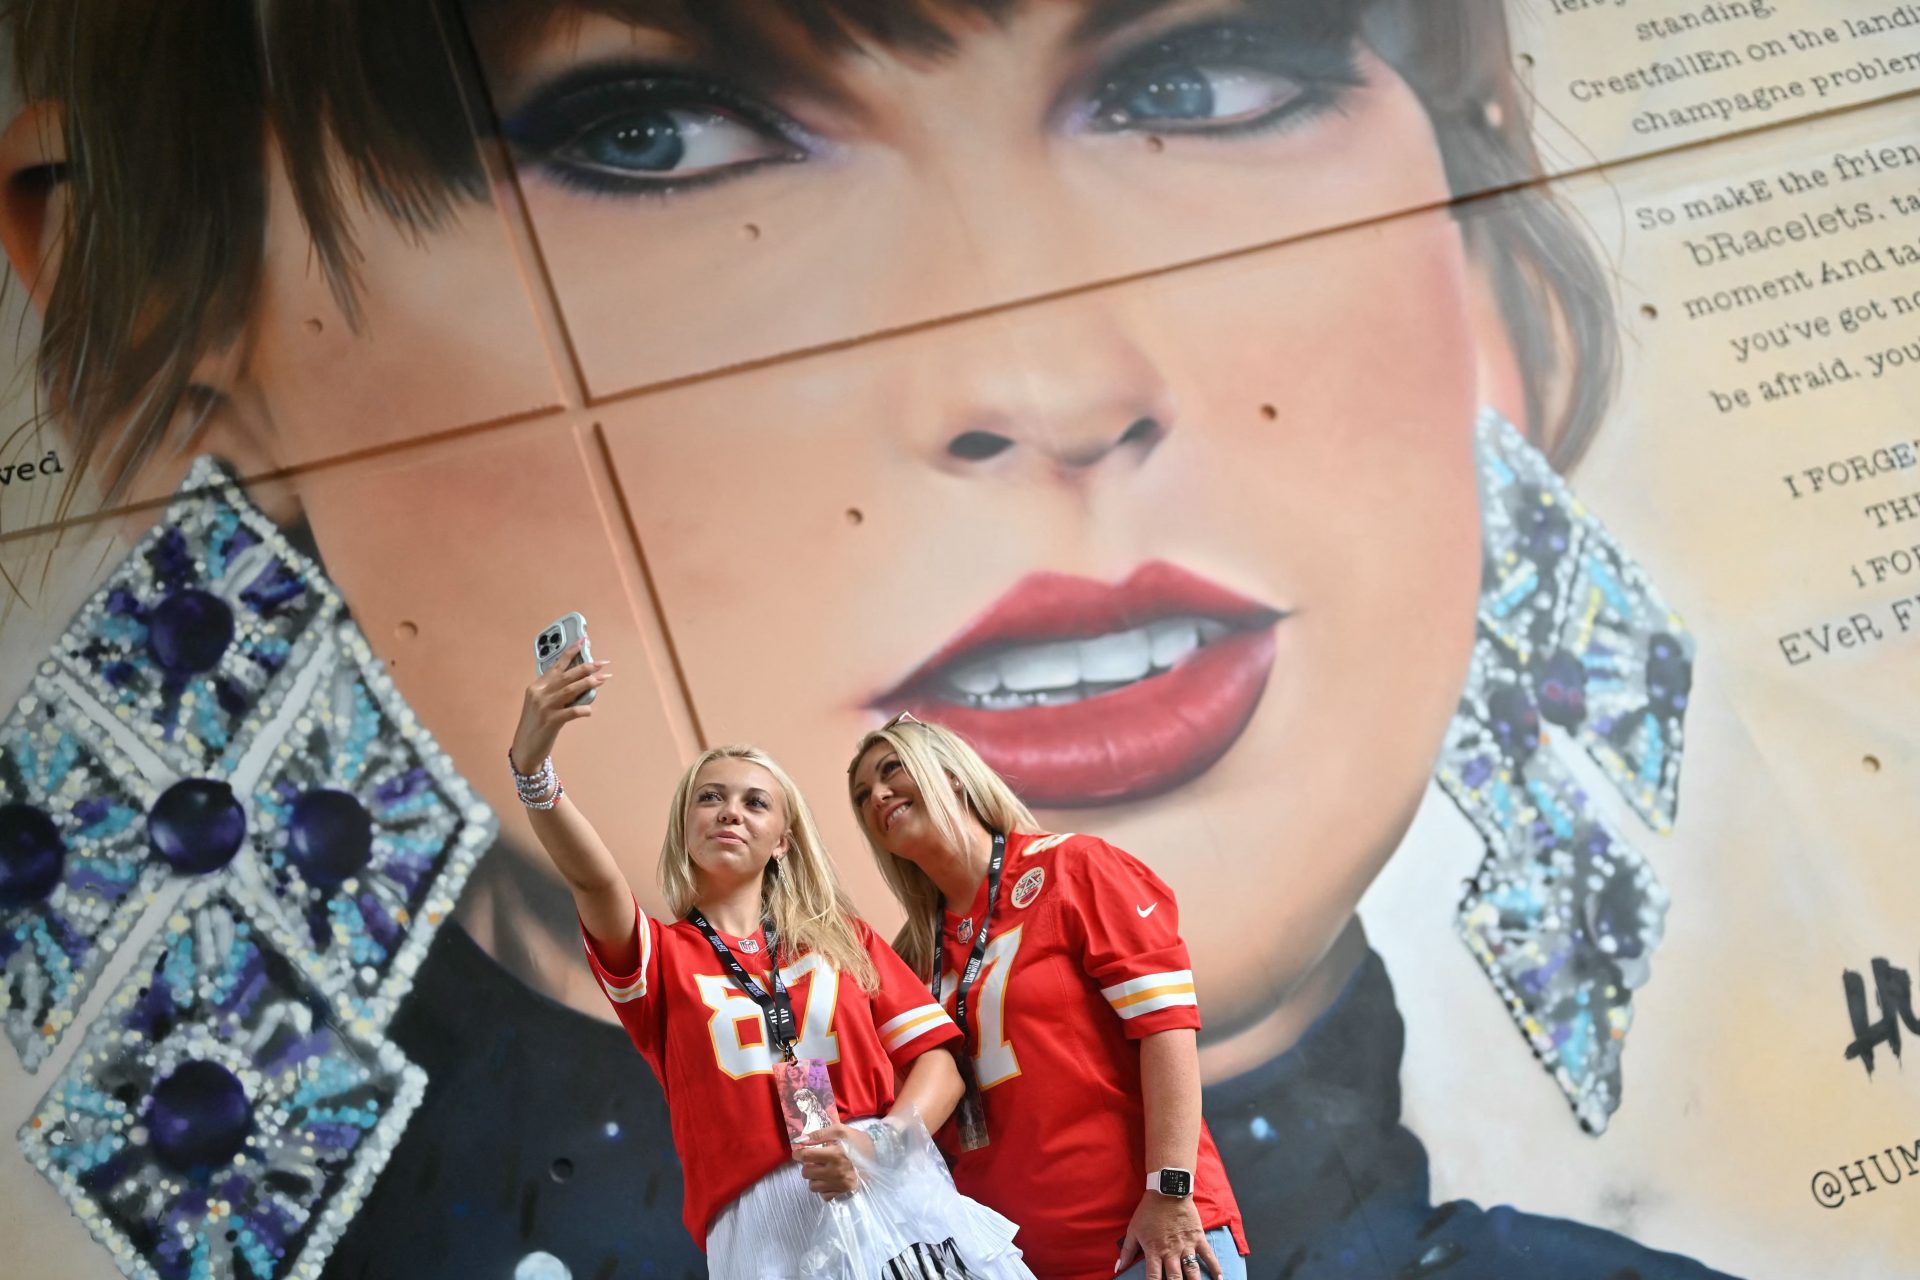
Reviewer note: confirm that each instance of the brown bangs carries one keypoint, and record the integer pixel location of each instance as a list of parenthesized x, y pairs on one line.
[(925, 27), (166, 111)]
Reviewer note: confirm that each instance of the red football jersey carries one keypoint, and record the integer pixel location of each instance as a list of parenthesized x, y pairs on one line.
[(707, 1041), (1085, 958)]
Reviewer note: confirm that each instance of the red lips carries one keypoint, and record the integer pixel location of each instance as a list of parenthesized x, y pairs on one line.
[(1128, 742)]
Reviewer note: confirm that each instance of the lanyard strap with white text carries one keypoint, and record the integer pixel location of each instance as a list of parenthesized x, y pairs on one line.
[(777, 1008), (972, 1113)]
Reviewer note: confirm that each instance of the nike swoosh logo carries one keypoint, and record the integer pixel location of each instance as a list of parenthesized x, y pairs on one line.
[(1145, 911)]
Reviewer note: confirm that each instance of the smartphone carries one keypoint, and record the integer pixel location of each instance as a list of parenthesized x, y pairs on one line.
[(553, 641)]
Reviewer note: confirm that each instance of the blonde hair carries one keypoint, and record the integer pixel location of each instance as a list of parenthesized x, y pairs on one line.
[(799, 891), (931, 754)]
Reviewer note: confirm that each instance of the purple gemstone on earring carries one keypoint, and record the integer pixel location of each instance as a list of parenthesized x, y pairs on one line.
[(1514, 721), (199, 1117), (1543, 526), (1563, 690), (189, 631), (197, 825), (1669, 676), (32, 856), (329, 836)]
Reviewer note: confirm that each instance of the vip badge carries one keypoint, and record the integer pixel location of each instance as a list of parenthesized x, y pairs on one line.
[(1028, 887)]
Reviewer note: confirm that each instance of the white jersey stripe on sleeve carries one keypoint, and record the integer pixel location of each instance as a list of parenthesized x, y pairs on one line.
[(1150, 1001), (1151, 991), (638, 987), (912, 1024), (1146, 982)]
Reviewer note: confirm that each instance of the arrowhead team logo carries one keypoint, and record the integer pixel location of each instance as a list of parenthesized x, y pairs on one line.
[(1028, 887)]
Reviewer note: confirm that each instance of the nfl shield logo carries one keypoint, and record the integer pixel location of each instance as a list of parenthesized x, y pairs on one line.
[(965, 931), (749, 946)]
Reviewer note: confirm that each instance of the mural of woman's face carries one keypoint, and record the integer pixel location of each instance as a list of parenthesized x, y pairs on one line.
[(1058, 503), (1192, 560)]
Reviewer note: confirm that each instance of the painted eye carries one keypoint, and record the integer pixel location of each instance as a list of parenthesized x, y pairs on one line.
[(1224, 79), (674, 142), (631, 130), (1195, 97)]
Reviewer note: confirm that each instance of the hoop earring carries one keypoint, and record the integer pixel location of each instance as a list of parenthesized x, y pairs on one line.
[(1573, 646)]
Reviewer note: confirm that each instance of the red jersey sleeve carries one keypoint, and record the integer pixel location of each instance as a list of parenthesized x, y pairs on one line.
[(1128, 925), (629, 992), (904, 1012)]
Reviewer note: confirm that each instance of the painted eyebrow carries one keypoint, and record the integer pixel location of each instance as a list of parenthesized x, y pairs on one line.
[(1104, 17), (745, 53)]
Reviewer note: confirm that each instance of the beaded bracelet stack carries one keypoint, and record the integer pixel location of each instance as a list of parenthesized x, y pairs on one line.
[(539, 789)]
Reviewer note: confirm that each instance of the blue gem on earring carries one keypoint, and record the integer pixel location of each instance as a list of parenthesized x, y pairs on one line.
[(198, 1117), (32, 856), (188, 632), (196, 826), (329, 836)]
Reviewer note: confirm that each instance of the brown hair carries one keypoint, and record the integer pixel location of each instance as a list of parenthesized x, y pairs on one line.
[(166, 188)]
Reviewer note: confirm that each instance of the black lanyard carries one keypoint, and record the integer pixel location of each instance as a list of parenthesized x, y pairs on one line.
[(971, 973), (776, 1008)]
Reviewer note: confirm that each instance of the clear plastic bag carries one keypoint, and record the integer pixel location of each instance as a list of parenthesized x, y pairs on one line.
[(906, 1220)]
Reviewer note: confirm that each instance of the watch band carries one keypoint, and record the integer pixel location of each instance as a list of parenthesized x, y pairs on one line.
[(1177, 1183)]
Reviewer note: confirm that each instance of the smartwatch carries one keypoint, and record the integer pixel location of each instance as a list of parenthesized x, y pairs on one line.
[(1177, 1183)]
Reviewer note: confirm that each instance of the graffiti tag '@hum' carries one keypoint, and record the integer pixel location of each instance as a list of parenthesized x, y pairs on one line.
[(1834, 1187), (1893, 993)]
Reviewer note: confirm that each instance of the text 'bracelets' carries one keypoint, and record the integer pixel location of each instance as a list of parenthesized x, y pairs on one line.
[(776, 1008)]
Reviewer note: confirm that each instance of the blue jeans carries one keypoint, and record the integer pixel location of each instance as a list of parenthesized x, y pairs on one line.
[(1232, 1265)]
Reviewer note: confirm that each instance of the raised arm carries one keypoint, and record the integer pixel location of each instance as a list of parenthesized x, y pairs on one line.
[(601, 893)]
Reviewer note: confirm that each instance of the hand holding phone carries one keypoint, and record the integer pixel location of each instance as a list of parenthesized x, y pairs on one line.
[(553, 642), (555, 698)]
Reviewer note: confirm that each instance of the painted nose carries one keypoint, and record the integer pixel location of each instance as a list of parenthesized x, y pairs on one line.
[(1064, 401)]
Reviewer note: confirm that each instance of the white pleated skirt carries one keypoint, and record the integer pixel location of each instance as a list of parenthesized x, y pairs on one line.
[(905, 1222)]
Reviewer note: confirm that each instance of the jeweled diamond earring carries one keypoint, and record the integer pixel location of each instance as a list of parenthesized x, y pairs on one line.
[(1573, 645)]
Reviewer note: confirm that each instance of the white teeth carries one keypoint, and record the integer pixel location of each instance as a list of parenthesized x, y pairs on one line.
[(1125, 655), (1173, 640), (1040, 666), (976, 677), (1065, 671)]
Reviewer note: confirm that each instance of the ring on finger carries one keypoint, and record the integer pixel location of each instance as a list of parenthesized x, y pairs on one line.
[(1189, 1260)]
